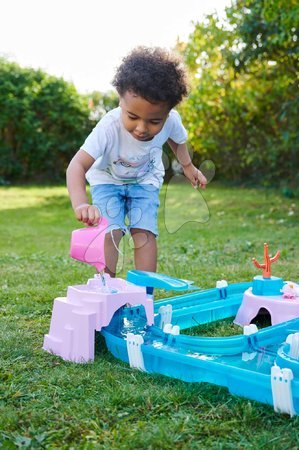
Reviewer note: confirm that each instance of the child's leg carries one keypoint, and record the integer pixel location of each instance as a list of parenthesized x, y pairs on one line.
[(110, 200), (142, 206), (111, 251), (145, 249)]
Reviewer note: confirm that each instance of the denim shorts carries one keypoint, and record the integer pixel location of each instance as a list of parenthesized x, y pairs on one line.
[(128, 206)]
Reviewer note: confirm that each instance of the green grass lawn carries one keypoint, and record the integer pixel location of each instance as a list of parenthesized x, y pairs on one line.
[(48, 403)]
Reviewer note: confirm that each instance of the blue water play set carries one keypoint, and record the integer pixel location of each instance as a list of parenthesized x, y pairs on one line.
[(262, 365)]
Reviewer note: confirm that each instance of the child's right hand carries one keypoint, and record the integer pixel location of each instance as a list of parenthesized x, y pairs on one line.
[(88, 214)]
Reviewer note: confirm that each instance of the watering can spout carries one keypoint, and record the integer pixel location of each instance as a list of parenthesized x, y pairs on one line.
[(87, 245)]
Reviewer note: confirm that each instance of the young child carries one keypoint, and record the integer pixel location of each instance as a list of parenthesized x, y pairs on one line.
[(122, 156)]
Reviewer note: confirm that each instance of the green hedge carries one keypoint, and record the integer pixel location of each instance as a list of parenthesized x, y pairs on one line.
[(43, 121)]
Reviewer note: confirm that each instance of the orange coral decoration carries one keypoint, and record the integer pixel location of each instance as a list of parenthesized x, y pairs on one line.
[(267, 262)]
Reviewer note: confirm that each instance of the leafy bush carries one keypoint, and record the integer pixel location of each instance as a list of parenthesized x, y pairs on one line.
[(43, 121), (243, 109)]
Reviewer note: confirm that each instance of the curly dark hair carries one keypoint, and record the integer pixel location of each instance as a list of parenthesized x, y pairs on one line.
[(154, 74)]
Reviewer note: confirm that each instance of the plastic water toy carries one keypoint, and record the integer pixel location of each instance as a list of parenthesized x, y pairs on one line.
[(87, 245), (269, 293), (86, 309), (262, 365)]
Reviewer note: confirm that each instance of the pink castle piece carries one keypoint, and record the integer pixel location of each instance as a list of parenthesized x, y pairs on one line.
[(86, 309), (279, 308), (270, 293)]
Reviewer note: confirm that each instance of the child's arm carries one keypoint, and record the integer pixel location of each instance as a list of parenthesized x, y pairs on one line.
[(195, 176), (76, 184)]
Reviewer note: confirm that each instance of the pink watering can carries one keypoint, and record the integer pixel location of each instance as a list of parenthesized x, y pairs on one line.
[(87, 245)]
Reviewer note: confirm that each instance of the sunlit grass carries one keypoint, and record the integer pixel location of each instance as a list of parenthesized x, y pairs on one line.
[(17, 197)]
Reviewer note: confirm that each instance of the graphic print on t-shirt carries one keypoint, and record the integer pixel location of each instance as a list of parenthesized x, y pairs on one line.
[(132, 169)]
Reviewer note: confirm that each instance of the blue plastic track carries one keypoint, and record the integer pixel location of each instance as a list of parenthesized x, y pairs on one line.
[(206, 359)]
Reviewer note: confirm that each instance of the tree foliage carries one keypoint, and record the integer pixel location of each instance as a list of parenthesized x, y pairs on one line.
[(268, 29), (243, 109), (100, 103)]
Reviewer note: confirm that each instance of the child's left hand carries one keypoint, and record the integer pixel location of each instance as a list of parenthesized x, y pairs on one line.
[(195, 176)]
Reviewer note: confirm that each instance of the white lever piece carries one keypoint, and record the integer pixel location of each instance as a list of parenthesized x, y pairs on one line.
[(281, 383), (134, 342), (165, 315)]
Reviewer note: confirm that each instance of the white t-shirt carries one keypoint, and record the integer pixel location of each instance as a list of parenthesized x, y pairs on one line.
[(122, 159)]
